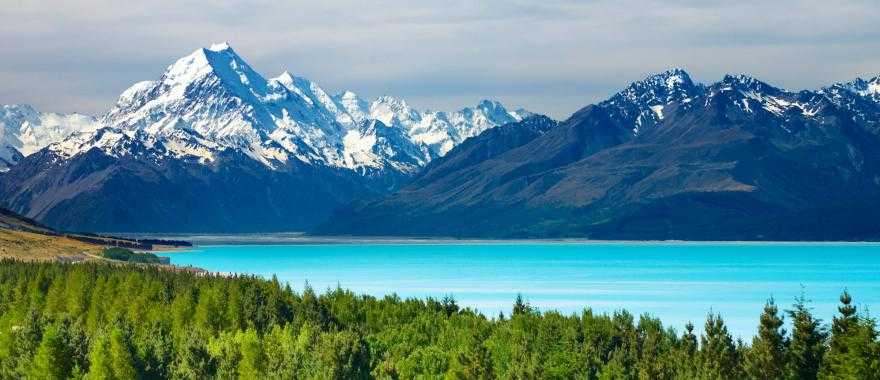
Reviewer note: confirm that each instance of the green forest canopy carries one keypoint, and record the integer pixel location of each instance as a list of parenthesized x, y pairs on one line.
[(102, 321)]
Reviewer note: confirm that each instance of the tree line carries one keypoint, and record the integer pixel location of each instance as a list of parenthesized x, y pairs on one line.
[(99, 321)]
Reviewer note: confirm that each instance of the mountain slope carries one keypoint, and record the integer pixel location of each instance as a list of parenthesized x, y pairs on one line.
[(24, 130), (22, 238), (139, 191), (663, 159), (213, 146)]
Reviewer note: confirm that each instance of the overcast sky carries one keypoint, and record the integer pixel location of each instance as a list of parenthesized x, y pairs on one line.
[(551, 57)]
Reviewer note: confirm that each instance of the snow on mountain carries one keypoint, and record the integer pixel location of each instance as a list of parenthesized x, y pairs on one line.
[(752, 94), (644, 104), (315, 96), (24, 130), (439, 130), (212, 100), (373, 145), (213, 95), (356, 107), (640, 105), (867, 88)]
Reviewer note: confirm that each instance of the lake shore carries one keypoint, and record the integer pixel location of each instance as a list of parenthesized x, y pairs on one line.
[(678, 281)]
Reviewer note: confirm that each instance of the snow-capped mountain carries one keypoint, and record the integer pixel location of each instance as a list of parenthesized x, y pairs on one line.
[(640, 105), (441, 131), (869, 88), (738, 159), (24, 130), (643, 104), (211, 134), (212, 100), (375, 145)]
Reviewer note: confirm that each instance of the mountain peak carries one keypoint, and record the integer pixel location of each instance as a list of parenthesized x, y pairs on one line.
[(869, 88), (348, 95), (675, 77), (218, 47), (863, 87), (874, 86), (670, 79), (747, 85), (218, 58), (656, 89), (489, 104), (743, 80), (390, 100), (285, 78), (17, 108)]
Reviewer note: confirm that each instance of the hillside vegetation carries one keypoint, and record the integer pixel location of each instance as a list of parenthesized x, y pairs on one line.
[(26, 239), (101, 321), (25, 245)]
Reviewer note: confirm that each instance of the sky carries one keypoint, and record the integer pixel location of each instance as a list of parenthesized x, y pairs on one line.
[(551, 57)]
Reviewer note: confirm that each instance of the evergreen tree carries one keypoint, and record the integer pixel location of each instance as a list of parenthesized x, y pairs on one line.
[(138, 322), (193, 360), (472, 364), (687, 354), (520, 306), (111, 358), (689, 341), (718, 354), (252, 362), (100, 361), (124, 365), (766, 358), (807, 344), (53, 358), (851, 348), (343, 355)]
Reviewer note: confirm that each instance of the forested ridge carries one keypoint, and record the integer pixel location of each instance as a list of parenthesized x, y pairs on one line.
[(102, 321)]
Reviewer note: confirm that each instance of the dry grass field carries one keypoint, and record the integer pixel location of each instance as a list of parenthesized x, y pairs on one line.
[(38, 247)]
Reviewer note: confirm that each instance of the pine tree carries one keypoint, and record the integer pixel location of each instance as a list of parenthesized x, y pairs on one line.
[(851, 344), (718, 355), (121, 352), (766, 358), (53, 359), (807, 344), (520, 306), (252, 362), (192, 360), (686, 354), (111, 357), (100, 361)]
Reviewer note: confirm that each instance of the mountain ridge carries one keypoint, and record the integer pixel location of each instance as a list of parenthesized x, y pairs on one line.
[(738, 159), (211, 134)]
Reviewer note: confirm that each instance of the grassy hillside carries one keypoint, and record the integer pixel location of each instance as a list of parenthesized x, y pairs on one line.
[(32, 246), (27, 239)]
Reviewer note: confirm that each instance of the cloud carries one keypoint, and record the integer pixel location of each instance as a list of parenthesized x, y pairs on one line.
[(552, 56)]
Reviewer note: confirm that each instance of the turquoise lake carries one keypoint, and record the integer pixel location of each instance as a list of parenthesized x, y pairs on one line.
[(677, 282)]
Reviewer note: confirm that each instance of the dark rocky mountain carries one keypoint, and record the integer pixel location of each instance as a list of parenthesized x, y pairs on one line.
[(664, 159), (140, 191)]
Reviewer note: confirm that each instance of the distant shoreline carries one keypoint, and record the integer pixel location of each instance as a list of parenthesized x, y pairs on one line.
[(295, 238)]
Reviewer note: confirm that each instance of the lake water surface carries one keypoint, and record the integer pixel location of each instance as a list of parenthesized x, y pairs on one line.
[(677, 282)]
